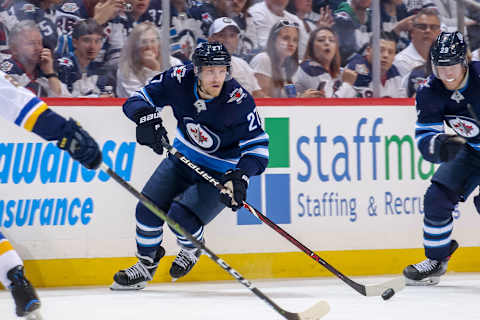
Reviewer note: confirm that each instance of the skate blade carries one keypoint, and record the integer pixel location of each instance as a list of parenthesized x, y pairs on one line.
[(35, 315), (431, 281), (174, 279), (118, 287)]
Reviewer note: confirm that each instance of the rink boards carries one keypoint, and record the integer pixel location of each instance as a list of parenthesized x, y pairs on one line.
[(345, 178)]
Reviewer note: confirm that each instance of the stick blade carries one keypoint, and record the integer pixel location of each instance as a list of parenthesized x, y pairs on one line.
[(315, 312), (396, 284)]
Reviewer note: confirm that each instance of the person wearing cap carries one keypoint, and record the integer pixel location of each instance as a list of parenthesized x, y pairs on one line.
[(226, 31), (83, 76)]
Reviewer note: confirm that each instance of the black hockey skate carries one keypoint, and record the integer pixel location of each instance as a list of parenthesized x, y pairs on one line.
[(136, 277), (184, 262), (428, 272), (26, 299)]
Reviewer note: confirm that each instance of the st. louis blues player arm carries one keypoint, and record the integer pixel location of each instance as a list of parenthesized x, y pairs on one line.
[(24, 109), (434, 144)]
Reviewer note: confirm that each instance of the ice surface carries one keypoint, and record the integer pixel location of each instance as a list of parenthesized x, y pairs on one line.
[(456, 297)]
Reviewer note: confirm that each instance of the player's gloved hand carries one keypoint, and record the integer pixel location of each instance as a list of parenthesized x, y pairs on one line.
[(447, 146), (150, 130), (235, 192), (80, 145)]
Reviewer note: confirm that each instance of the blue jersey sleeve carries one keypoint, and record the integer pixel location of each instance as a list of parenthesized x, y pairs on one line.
[(155, 95), (430, 121), (253, 145)]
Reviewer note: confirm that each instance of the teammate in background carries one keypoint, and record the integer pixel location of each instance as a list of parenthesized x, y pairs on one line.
[(445, 98), (23, 108), (219, 129)]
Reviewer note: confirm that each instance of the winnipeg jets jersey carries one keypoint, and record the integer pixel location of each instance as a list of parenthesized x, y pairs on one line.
[(311, 75), (37, 84), (391, 86), (154, 13), (96, 80), (437, 106), (220, 134), (23, 108), (45, 20), (72, 11)]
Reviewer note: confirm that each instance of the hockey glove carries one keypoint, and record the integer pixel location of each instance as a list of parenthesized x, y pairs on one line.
[(447, 146), (80, 145), (235, 192), (150, 130)]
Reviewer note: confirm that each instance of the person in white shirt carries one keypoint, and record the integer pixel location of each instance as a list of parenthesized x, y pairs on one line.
[(141, 59), (320, 75), (276, 67), (226, 31), (268, 12), (426, 28)]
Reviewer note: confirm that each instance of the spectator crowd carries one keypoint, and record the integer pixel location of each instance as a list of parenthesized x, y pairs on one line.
[(279, 48)]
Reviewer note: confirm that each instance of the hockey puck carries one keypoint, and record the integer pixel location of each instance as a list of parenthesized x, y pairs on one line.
[(387, 294)]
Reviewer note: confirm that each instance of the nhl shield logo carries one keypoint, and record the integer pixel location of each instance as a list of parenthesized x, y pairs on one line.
[(202, 136), (463, 126)]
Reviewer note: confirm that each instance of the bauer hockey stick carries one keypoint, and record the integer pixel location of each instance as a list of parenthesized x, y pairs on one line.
[(386, 289), (315, 312)]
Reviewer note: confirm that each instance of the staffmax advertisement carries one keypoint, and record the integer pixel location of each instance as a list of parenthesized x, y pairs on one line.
[(340, 177), (350, 177)]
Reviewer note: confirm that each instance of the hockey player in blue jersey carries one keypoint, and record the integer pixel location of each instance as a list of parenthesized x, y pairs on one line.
[(450, 96), (219, 129), (23, 108)]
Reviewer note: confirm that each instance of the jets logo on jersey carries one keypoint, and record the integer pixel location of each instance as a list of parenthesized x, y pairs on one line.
[(202, 136), (457, 96), (6, 66), (70, 7), (179, 73), (206, 17), (237, 95), (65, 62), (463, 126), (419, 82)]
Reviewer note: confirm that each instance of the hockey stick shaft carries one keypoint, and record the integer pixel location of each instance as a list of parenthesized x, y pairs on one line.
[(362, 289), (315, 312)]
